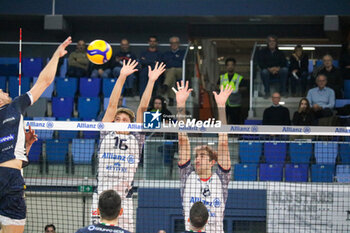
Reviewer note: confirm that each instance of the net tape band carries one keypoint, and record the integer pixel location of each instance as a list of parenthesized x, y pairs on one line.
[(190, 128)]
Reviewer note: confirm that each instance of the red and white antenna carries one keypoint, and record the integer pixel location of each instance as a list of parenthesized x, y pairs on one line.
[(20, 62)]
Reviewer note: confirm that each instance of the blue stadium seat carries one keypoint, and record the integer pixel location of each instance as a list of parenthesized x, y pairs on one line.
[(3, 83), (38, 109), (49, 90), (67, 134), (31, 67), (88, 107), (89, 87), (66, 87), (245, 172), (339, 103), (271, 172), (44, 134), (56, 151), (311, 66), (9, 66), (300, 152), (347, 89), (35, 152), (275, 152), (250, 152), (105, 103), (343, 173), (13, 85), (64, 67), (107, 86), (296, 172), (62, 106), (322, 173), (326, 153), (83, 150), (253, 122), (344, 152), (91, 134)]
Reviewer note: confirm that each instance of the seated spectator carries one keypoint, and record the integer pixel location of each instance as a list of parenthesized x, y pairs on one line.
[(304, 115), (321, 98), (273, 65), (124, 55), (109, 205), (102, 71), (50, 228), (298, 69), (333, 74), (158, 103), (276, 114), (148, 58), (78, 63), (344, 61), (198, 217), (173, 60)]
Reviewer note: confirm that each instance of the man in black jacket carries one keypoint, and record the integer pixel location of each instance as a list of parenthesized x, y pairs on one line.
[(273, 65), (276, 114)]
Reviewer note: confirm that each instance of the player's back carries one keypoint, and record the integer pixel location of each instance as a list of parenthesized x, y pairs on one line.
[(97, 228)]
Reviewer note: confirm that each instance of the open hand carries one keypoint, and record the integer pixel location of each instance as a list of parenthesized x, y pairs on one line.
[(154, 74), (222, 97), (182, 93), (128, 68), (61, 50)]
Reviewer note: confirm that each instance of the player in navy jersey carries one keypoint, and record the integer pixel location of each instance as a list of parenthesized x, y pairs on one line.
[(199, 183), (198, 217), (119, 152), (109, 206), (13, 151)]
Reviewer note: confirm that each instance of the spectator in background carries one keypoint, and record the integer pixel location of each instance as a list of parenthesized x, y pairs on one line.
[(173, 60), (333, 74), (233, 104), (298, 69), (120, 56), (273, 65), (148, 58), (50, 228), (198, 217), (158, 103), (321, 98), (78, 63), (304, 115), (344, 61), (276, 114), (102, 71)]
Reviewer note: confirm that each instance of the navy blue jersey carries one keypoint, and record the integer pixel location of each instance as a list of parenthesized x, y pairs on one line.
[(102, 228), (12, 137)]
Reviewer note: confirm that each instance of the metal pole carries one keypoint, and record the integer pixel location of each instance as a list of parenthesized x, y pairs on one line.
[(251, 81)]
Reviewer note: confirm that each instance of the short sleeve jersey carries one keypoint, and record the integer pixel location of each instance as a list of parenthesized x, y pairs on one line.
[(212, 192), (12, 135), (118, 156), (102, 228)]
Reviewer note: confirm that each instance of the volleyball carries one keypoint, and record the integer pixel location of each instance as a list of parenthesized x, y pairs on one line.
[(99, 52)]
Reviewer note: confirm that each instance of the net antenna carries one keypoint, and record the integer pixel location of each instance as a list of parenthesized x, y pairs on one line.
[(20, 62)]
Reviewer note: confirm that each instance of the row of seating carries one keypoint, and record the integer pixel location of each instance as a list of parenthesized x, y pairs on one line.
[(292, 172), (276, 152)]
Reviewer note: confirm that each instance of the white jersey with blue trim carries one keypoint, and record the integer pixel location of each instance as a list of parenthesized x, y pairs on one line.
[(212, 192), (12, 135)]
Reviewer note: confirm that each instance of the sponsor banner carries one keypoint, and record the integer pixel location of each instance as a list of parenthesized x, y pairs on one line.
[(299, 208), (208, 126)]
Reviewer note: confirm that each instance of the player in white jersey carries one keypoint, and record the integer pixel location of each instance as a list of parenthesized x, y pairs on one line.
[(119, 152), (199, 183)]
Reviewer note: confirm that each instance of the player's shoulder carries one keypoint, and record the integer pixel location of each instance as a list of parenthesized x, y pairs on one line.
[(101, 228)]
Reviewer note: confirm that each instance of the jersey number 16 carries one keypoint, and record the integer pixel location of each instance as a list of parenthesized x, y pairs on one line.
[(120, 144)]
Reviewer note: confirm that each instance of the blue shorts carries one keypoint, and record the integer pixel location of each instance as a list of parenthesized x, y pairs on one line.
[(12, 203)]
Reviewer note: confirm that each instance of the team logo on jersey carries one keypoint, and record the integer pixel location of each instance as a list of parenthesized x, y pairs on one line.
[(8, 119), (131, 159), (216, 202), (91, 228), (7, 138), (205, 191), (151, 120)]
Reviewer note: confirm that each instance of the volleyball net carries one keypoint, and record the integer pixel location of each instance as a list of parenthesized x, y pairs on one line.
[(282, 179)]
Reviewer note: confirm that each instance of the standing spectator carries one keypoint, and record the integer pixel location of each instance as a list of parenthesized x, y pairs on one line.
[(198, 217), (233, 104), (304, 115), (333, 74), (78, 63), (120, 56), (298, 68), (344, 61), (276, 114), (50, 228), (273, 65), (173, 60), (148, 58), (321, 98)]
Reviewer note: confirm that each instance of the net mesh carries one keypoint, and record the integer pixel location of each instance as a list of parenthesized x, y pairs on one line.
[(281, 179)]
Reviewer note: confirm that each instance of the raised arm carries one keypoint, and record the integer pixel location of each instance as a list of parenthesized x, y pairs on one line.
[(182, 94), (224, 159), (47, 75), (127, 69), (153, 75)]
